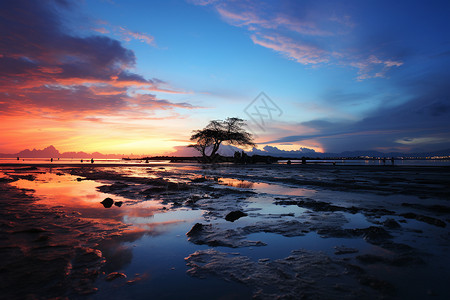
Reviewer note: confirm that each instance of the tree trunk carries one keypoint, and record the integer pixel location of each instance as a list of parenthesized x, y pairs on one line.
[(214, 150)]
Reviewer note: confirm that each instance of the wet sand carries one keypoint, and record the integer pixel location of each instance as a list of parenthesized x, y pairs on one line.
[(319, 232)]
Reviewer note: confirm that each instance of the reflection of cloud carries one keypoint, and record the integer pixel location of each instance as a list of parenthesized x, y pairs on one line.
[(118, 255)]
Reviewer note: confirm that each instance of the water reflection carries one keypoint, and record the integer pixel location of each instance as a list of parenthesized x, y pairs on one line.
[(267, 188), (236, 183), (56, 189)]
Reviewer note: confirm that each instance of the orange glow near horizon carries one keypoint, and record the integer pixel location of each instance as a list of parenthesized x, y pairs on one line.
[(148, 137)]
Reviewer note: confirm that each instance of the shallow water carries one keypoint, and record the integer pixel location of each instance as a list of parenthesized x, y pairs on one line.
[(152, 248)]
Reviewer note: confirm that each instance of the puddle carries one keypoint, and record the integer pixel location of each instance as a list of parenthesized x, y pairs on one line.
[(267, 188)]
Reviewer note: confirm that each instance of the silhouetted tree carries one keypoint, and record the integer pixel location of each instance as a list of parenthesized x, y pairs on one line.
[(229, 131)]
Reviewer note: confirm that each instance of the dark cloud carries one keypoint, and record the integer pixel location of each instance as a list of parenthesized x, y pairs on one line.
[(83, 99), (274, 151), (339, 97), (36, 46), (43, 65), (419, 124)]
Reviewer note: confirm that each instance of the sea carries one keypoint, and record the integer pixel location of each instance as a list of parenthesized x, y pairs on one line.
[(349, 162)]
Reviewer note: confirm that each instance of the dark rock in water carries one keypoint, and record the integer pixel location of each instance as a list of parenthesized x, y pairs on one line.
[(373, 234), (433, 208), (28, 169), (426, 219), (31, 230), (115, 275), (6, 179), (391, 223), (199, 179), (118, 203), (398, 260), (28, 177), (344, 250), (117, 186), (234, 215), (195, 229), (79, 179), (154, 190), (107, 203)]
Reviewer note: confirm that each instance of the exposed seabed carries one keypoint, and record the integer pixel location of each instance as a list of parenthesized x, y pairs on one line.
[(224, 232)]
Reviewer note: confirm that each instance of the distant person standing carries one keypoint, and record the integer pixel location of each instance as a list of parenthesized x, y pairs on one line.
[(92, 160), (51, 159), (17, 158), (303, 161)]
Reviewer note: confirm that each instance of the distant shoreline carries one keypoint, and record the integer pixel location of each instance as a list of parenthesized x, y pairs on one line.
[(445, 168)]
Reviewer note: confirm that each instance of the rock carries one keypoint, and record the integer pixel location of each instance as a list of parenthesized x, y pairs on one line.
[(391, 223), (107, 203), (118, 203), (344, 250), (426, 219), (115, 275), (373, 234), (153, 190), (398, 260), (31, 230), (199, 179), (195, 229), (234, 215)]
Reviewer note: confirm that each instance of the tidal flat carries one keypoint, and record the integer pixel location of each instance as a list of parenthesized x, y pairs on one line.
[(192, 231)]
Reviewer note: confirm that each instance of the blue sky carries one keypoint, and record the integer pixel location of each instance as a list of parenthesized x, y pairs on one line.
[(347, 75)]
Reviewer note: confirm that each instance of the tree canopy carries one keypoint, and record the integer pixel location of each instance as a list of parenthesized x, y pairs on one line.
[(229, 131)]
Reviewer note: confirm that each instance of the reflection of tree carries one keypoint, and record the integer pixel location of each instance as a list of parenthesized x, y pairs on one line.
[(117, 255)]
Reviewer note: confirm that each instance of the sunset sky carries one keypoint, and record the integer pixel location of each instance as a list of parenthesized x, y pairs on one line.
[(138, 76)]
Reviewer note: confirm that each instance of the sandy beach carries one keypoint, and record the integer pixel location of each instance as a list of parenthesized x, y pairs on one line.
[(224, 231)]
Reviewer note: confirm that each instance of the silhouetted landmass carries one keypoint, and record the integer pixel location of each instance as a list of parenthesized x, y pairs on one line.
[(51, 151)]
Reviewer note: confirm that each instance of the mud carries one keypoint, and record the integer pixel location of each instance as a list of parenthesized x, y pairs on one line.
[(351, 232)]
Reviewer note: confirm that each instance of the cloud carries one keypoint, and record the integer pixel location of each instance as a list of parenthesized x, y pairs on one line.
[(45, 68), (145, 38), (421, 123), (274, 151), (306, 32), (374, 67), (301, 53), (124, 33)]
